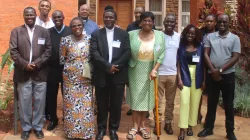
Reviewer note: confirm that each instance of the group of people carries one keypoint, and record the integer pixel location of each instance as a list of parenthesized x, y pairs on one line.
[(85, 58)]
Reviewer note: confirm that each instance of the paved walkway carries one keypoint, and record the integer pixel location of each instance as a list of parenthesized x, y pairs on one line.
[(242, 126)]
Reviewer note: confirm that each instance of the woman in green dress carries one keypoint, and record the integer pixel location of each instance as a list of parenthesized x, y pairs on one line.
[(147, 49)]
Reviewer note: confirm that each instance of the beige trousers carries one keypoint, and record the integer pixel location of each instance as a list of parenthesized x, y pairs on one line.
[(167, 85)]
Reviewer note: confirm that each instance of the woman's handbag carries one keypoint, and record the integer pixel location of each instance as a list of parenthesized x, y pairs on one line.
[(86, 73)]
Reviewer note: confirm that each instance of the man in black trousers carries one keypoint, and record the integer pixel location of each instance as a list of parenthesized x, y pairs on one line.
[(110, 53), (222, 50), (55, 69)]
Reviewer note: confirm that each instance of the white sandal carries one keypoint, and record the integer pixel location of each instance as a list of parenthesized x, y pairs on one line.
[(144, 134), (131, 135)]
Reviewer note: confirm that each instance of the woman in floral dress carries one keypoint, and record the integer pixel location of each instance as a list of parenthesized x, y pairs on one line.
[(77, 90)]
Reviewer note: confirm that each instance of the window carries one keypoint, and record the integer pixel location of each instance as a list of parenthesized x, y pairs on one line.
[(158, 7), (81, 2), (185, 13)]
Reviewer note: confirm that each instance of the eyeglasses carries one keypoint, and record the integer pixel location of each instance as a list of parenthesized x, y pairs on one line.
[(147, 21), (78, 25)]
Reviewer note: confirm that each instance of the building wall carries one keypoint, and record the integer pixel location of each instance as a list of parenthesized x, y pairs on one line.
[(12, 10), (195, 6), (93, 12), (11, 15), (140, 3)]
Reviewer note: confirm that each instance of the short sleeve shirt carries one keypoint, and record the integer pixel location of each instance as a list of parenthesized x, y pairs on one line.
[(222, 48), (168, 66)]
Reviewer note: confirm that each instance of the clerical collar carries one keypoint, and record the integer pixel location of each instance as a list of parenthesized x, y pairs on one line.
[(85, 20), (107, 29), (60, 30)]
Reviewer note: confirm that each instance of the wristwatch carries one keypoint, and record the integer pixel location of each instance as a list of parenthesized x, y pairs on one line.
[(220, 70)]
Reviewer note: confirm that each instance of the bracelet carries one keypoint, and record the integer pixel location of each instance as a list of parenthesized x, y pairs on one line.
[(155, 71)]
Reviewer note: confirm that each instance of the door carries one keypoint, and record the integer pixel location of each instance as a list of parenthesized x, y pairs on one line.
[(123, 9)]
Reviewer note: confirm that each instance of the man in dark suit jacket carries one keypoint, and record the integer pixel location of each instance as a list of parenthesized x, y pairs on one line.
[(110, 53), (30, 49)]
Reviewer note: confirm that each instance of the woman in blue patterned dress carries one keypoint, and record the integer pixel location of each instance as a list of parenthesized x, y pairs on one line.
[(77, 90)]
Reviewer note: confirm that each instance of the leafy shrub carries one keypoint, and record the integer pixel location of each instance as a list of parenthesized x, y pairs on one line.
[(242, 93), (5, 82)]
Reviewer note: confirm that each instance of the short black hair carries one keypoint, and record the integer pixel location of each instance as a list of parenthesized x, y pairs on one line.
[(146, 15), (76, 18), (171, 14), (108, 7), (45, 0), (112, 11), (204, 30), (224, 14), (212, 15), (58, 11), (27, 8)]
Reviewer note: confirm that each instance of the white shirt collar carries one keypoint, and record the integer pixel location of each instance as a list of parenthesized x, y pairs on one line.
[(41, 23), (28, 27), (174, 34)]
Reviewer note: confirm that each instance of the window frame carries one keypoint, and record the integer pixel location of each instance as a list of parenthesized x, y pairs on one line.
[(162, 13), (87, 2), (180, 28)]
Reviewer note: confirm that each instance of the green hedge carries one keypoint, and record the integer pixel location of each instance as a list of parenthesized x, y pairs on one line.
[(242, 93)]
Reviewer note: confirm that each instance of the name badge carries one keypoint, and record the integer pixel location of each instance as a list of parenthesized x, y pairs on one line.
[(171, 42), (196, 58), (116, 44), (41, 41)]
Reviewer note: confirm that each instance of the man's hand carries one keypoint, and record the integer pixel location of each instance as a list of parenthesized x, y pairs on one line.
[(216, 75), (33, 65), (29, 67), (114, 69)]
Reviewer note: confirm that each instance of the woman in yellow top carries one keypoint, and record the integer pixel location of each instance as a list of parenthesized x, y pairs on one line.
[(147, 50)]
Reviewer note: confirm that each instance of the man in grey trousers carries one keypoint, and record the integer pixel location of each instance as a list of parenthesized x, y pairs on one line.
[(30, 49)]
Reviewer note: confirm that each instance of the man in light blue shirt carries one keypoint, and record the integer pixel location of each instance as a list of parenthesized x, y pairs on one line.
[(89, 25)]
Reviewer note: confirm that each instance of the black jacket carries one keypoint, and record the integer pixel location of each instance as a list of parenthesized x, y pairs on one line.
[(99, 52)]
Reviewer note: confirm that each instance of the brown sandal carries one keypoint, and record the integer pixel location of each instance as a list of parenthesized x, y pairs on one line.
[(144, 133)]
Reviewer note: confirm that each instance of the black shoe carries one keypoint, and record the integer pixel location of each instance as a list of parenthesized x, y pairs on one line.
[(205, 132), (129, 112), (39, 134), (168, 129), (100, 135), (190, 131), (25, 135), (231, 136), (52, 125), (113, 135)]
